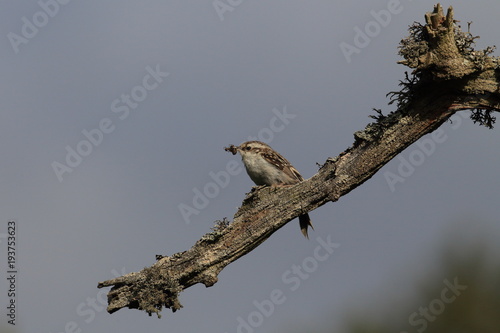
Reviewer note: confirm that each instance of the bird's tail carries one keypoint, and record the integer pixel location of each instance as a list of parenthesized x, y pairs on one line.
[(305, 222)]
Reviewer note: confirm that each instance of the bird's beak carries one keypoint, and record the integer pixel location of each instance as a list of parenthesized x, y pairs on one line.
[(232, 148)]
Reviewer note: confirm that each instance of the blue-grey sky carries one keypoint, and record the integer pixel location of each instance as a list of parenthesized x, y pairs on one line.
[(115, 115)]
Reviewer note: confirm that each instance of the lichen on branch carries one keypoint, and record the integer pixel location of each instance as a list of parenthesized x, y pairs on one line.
[(448, 75)]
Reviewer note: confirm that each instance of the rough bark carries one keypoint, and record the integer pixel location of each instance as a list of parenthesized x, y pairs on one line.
[(448, 76)]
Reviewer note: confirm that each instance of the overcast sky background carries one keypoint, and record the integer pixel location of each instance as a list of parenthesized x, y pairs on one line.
[(119, 206)]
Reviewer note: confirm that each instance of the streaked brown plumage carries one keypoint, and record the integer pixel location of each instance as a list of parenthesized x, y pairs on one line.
[(265, 166)]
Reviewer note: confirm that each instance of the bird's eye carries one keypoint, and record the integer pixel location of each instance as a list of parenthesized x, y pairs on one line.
[(248, 148)]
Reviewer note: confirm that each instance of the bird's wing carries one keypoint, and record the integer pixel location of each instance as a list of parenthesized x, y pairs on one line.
[(282, 163)]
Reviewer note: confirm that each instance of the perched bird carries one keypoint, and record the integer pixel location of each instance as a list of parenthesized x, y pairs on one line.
[(265, 166)]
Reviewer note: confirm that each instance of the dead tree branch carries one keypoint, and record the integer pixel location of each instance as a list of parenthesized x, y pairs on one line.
[(448, 76)]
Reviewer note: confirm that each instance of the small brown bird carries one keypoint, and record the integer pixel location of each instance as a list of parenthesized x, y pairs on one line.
[(265, 166)]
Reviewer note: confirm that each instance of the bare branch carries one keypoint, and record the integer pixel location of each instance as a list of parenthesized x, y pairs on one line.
[(448, 76)]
